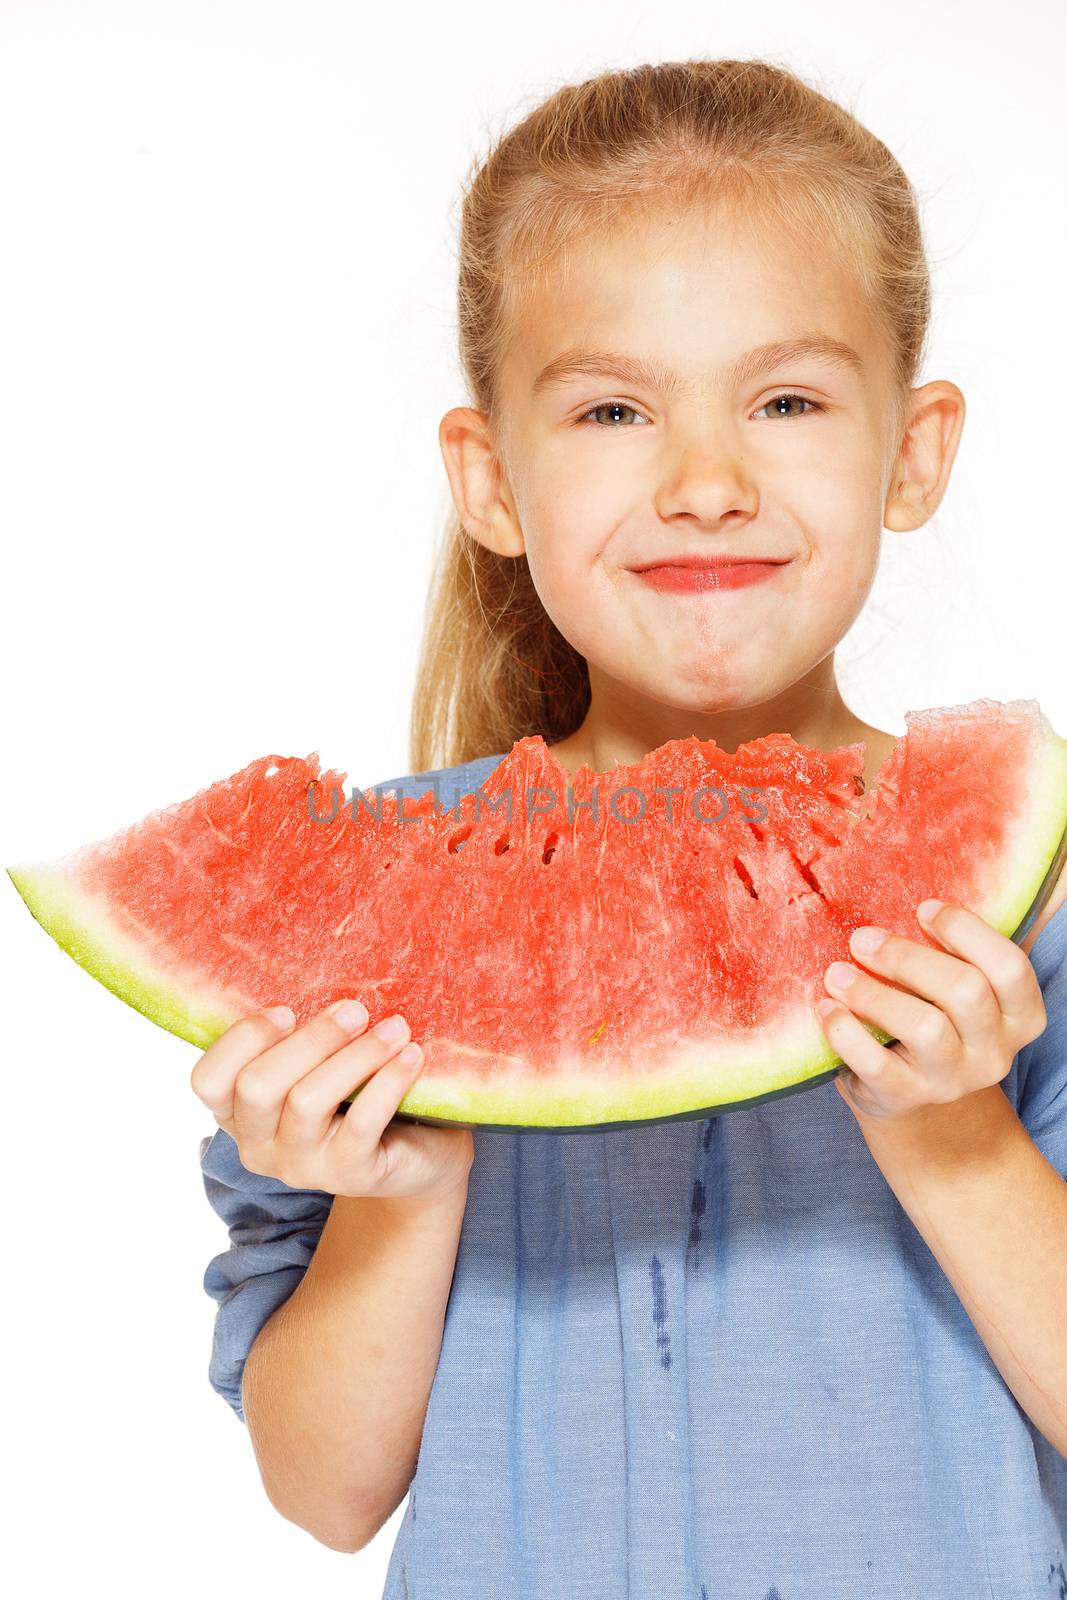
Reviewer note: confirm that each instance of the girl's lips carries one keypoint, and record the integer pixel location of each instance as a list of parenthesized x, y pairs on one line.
[(735, 575)]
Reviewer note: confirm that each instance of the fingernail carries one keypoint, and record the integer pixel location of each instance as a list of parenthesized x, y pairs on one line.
[(929, 909), (865, 941), (410, 1054), (824, 1007), (281, 1016), (391, 1028), (350, 1014), (839, 974)]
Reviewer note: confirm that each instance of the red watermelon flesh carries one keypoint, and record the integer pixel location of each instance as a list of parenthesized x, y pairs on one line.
[(560, 969)]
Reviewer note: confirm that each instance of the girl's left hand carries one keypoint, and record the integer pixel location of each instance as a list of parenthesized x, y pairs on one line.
[(958, 1021)]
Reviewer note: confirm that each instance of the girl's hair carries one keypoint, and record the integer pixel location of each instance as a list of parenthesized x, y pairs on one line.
[(590, 161)]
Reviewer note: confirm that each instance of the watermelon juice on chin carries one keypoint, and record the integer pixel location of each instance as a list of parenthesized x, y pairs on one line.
[(623, 948)]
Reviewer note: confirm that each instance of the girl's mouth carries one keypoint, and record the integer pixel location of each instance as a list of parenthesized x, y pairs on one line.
[(679, 579)]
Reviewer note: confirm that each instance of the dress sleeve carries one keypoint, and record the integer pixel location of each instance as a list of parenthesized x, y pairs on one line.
[(1042, 1064), (273, 1234)]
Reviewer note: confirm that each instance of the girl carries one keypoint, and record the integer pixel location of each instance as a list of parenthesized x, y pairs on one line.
[(812, 1351)]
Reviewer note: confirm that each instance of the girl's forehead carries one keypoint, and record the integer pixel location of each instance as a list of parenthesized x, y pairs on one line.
[(668, 304), (717, 264)]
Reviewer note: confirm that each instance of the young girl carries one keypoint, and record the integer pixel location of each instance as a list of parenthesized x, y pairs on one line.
[(813, 1350)]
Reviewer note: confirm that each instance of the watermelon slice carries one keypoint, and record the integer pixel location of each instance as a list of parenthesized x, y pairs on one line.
[(657, 960)]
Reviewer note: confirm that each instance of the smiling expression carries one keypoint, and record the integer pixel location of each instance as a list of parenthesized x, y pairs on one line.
[(749, 416)]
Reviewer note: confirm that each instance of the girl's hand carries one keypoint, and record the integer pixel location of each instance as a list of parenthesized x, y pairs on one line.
[(958, 1019), (276, 1093)]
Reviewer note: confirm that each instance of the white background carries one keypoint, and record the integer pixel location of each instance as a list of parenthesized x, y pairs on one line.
[(226, 324)]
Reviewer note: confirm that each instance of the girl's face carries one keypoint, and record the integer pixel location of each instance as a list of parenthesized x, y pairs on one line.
[(789, 460)]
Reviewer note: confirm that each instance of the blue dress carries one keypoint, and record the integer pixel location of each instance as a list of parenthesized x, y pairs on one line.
[(710, 1359)]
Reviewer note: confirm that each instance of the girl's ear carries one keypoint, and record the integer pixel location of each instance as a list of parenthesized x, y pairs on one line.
[(921, 471), (480, 490)]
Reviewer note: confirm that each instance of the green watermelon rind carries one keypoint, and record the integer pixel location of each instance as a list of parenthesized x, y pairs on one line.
[(743, 1074), (84, 930), (716, 1109), (1033, 844), (744, 1071)]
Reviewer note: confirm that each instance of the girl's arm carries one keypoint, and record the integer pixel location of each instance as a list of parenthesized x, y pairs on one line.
[(331, 1375), (983, 1184), (336, 1384), (993, 1210)]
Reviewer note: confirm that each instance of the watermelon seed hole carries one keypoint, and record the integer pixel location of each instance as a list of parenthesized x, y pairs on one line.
[(807, 874), (823, 832), (551, 842), (745, 878), (458, 840), (502, 844)]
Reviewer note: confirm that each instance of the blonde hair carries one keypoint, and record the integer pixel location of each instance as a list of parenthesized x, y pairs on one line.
[(592, 159)]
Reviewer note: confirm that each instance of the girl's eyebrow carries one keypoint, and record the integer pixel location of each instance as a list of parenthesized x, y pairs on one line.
[(651, 374)]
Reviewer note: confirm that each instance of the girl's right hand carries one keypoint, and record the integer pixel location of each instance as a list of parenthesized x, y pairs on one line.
[(276, 1092)]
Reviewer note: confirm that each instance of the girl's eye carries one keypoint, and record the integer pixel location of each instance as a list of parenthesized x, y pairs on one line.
[(613, 406), (609, 405), (804, 401)]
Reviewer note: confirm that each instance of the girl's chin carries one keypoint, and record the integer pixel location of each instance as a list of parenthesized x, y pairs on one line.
[(705, 692)]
